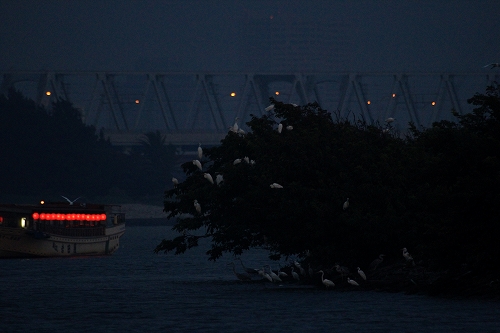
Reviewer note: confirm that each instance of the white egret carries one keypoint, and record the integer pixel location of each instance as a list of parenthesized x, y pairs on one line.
[(235, 126), (361, 273), (252, 162), (408, 256), (352, 282), (246, 159), (295, 275), (282, 274), (269, 108), (70, 201), (219, 179), (273, 275), (247, 269), (390, 120), (175, 181), (240, 131), (289, 127), (344, 271), (208, 177), (198, 164), (240, 276), (280, 128), (200, 151), (275, 185), (346, 204), (265, 275), (237, 161), (374, 264), (197, 206), (326, 282), (302, 270), (492, 65), (310, 271)]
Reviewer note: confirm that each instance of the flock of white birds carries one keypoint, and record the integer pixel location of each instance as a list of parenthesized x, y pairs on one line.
[(266, 272)]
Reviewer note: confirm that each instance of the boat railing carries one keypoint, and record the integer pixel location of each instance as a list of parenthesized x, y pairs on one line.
[(73, 232)]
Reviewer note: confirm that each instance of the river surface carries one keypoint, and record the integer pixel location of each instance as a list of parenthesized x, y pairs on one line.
[(135, 290)]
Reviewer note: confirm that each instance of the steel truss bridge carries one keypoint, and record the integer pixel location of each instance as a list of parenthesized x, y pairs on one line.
[(193, 107)]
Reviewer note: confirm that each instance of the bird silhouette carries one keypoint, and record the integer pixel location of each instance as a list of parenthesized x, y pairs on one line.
[(352, 282), (240, 276), (175, 181), (346, 204), (390, 120), (326, 282), (247, 269), (492, 65), (269, 108), (219, 179), (208, 177), (361, 273), (71, 202), (237, 161), (374, 264), (197, 163), (200, 151), (197, 206), (275, 185), (280, 128)]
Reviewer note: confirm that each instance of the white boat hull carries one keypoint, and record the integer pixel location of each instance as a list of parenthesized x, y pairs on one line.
[(17, 242)]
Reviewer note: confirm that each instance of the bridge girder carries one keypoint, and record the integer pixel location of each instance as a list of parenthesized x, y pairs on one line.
[(189, 107)]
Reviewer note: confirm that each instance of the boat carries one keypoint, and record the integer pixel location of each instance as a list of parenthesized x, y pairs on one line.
[(60, 229)]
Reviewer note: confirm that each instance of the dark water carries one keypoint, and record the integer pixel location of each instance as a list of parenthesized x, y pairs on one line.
[(135, 290)]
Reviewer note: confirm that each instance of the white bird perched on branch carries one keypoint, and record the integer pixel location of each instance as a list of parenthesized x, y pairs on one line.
[(361, 273), (246, 159), (346, 204), (269, 108), (236, 161), (235, 127), (280, 128), (219, 179), (197, 206), (208, 177), (390, 120), (295, 275), (275, 185), (200, 151), (198, 164), (326, 282), (289, 127), (175, 181), (352, 282)]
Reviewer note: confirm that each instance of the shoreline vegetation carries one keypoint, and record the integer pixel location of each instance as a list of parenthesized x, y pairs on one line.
[(323, 187)]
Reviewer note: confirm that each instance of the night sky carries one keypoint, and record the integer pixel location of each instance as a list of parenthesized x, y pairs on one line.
[(240, 35)]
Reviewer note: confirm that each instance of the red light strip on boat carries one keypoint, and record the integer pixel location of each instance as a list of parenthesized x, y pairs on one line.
[(69, 217)]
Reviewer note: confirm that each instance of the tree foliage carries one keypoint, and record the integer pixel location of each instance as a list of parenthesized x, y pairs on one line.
[(51, 152), (434, 191)]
